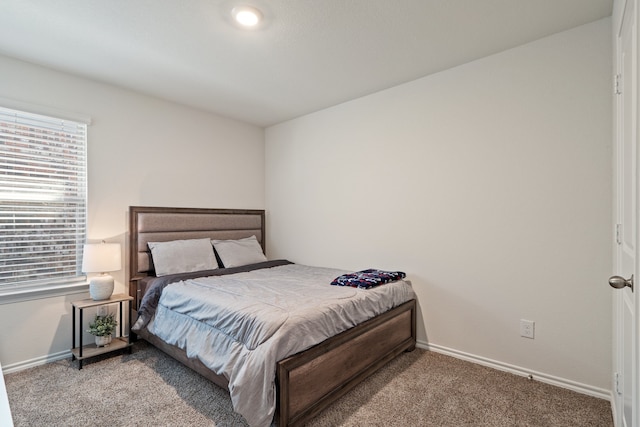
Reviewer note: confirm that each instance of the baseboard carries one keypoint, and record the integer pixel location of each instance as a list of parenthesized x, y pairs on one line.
[(517, 370), (614, 409), (15, 367)]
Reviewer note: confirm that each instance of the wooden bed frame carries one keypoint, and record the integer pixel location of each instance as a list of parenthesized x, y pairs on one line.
[(306, 382)]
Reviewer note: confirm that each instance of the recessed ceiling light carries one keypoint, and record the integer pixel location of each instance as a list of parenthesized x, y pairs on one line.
[(246, 16)]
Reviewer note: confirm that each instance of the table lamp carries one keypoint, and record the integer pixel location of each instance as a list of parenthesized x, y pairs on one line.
[(101, 258)]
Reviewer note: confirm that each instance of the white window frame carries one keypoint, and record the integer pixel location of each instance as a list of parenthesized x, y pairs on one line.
[(76, 282)]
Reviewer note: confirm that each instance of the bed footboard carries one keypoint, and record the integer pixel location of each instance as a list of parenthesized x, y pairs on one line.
[(310, 381)]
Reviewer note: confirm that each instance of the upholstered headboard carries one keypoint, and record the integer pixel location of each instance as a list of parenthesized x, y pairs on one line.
[(161, 224)]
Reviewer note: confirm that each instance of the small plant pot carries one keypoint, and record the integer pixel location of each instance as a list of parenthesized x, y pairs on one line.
[(103, 341)]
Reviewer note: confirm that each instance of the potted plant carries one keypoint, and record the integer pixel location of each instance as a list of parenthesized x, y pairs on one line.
[(102, 327)]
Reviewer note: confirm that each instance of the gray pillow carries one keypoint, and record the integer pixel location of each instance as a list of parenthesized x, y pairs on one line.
[(182, 256), (235, 253)]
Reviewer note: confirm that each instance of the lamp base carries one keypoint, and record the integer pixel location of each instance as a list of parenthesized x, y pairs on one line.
[(101, 287)]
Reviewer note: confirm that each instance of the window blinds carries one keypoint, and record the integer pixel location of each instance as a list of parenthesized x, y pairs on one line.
[(43, 192)]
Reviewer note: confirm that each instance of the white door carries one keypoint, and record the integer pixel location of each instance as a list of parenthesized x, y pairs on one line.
[(625, 306)]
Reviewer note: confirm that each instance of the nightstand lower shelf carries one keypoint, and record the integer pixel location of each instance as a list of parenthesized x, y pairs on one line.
[(90, 350)]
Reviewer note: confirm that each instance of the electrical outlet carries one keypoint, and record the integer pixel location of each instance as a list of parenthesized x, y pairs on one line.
[(102, 310), (527, 328)]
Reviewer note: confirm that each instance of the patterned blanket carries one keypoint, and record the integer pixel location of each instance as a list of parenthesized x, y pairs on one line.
[(367, 279)]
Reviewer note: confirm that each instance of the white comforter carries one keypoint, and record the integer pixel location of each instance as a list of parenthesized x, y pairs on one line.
[(240, 325)]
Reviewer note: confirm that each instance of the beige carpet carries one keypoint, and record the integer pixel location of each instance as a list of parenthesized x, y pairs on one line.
[(421, 388)]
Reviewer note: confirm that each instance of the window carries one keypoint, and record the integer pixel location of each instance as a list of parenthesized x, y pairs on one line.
[(43, 199)]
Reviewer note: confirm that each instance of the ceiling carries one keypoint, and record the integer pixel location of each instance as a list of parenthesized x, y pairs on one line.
[(306, 55)]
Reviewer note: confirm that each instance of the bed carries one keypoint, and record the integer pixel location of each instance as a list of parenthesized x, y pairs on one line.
[(306, 381)]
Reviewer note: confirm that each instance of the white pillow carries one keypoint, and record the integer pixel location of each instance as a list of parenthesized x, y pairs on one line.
[(182, 256), (235, 253)]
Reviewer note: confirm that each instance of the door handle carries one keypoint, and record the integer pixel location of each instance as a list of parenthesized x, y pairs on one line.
[(620, 282)]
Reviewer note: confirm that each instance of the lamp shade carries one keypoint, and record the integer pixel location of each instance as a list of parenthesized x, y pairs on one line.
[(101, 257)]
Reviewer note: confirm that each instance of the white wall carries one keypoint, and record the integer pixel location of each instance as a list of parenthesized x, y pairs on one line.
[(142, 151), (489, 184)]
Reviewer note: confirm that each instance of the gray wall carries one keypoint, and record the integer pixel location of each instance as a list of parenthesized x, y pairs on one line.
[(489, 184), (142, 151)]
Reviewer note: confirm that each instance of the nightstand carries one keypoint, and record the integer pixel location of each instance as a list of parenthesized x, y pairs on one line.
[(82, 352)]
